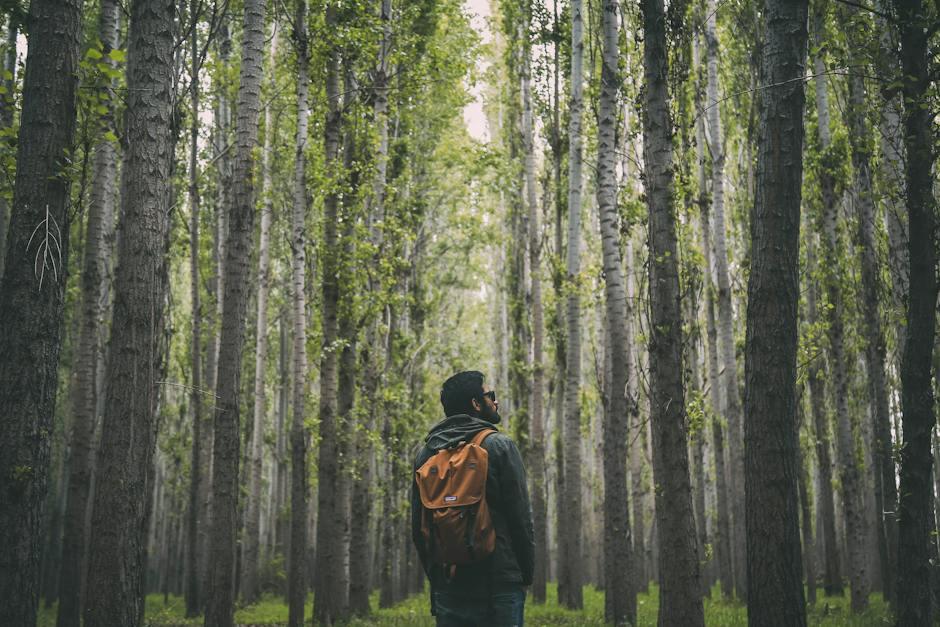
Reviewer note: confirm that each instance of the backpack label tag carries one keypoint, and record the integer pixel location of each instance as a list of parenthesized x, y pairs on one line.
[(448, 499)]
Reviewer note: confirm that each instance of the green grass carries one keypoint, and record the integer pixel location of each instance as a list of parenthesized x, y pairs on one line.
[(415, 612)]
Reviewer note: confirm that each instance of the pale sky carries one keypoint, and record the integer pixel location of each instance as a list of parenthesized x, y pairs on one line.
[(473, 115)]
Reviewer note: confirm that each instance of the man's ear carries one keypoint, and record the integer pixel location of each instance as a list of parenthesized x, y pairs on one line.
[(476, 404)]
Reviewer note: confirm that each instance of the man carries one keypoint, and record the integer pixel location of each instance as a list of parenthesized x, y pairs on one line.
[(490, 593)]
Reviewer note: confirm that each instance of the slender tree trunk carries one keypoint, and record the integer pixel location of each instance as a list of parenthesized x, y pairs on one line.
[(536, 461), (638, 482), (278, 518), (570, 575), (832, 581), (299, 438), (225, 456), (619, 593), (32, 298), (875, 351), (698, 464), (193, 580), (215, 288), (95, 283), (680, 601), (806, 521), (363, 492), (850, 475), (892, 169), (329, 589), (348, 334), (729, 373), (6, 122), (118, 550), (252, 539), (917, 401), (559, 335), (775, 571), (723, 514)]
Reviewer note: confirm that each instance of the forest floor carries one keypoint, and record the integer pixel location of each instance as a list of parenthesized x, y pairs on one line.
[(415, 612)]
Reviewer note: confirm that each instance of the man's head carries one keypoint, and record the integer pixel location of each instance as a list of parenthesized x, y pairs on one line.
[(464, 393)]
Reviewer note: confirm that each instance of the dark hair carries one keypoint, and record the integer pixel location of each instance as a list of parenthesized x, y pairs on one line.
[(459, 390)]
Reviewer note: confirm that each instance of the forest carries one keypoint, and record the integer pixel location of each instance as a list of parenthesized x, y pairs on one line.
[(693, 245)]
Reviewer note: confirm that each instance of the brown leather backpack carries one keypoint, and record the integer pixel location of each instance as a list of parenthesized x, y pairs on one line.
[(455, 521)]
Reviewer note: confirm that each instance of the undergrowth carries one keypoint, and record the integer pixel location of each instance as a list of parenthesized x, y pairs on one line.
[(415, 612)]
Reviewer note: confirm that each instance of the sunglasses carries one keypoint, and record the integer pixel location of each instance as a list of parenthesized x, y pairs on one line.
[(490, 395)]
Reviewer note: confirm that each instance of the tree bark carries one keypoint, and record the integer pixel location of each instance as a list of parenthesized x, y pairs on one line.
[(251, 555), (917, 401), (775, 571), (892, 169), (536, 461), (225, 456), (723, 514), (299, 437), (32, 297), (806, 521), (95, 285), (850, 474), (193, 580), (832, 578), (6, 121), (680, 601), (619, 592), (731, 407), (122, 506), (570, 576), (875, 350), (329, 589)]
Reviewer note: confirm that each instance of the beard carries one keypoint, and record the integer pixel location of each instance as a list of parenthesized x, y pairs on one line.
[(490, 415)]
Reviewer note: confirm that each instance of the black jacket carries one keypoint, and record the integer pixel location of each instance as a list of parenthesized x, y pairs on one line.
[(513, 561)]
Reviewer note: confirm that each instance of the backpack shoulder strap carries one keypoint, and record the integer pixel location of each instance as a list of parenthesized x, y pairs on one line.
[(482, 435)]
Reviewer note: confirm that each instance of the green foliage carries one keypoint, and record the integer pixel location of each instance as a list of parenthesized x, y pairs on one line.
[(415, 612)]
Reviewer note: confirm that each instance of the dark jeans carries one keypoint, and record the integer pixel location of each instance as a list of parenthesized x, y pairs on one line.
[(504, 608)]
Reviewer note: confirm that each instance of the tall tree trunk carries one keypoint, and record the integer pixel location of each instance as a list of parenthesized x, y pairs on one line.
[(299, 437), (850, 474), (619, 592), (806, 521), (215, 287), (917, 401), (832, 578), (278, 519), (118, 550), (225, 456), (251, 542), (348, 334), (361, 540), (729, 373), (638, 481), (680, 601), (559, 329), (32, 297), (193, 580), (6, 122), (875, 351), (775, 570), (570, 575), (536, 461), (892, 169), (329, 589), (94, 307), (723, 514)]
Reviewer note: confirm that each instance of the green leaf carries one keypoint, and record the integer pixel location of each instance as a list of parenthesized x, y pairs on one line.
[(93, 53), (117, 55), (110, 136)]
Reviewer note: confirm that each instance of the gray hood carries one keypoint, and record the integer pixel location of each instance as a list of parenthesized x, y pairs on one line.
[(455, 429)]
